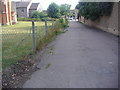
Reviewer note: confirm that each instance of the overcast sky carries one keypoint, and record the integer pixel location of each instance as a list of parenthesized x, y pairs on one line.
[(45, 3)]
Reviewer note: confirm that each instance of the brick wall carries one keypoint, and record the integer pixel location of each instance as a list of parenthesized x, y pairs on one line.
[(106, 23), (5, 12), (9, 12), (0, 14)]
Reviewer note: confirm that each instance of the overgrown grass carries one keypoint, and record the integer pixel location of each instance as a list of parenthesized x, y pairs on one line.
[(17, 39), (36, 19), (80, 22)]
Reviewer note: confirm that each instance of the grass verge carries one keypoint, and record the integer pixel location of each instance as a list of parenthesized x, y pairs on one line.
[(16, 75), (17, 40)]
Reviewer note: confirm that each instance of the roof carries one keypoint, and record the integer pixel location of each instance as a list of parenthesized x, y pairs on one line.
[(44, 11), (22, 4), (34, 6)]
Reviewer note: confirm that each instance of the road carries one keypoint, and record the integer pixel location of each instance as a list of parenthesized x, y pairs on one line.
[(83, 57)]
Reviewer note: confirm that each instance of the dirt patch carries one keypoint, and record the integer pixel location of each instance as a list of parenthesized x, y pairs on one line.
[(16, 75)]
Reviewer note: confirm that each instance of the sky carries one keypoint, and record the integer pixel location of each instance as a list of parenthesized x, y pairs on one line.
[(45, 3)]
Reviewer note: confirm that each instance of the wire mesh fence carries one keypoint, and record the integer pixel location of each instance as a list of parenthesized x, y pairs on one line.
[(17, 40)]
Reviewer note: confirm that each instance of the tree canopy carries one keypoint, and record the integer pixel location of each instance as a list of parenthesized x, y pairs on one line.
[(53, 10), (38, 14), (65, 9), (93, 10)]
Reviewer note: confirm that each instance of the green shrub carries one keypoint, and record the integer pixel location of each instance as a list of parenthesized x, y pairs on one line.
[(28, 19), (38, 14), (61, 20), (53, 10), (64, 22), (45, 18), (36, 19), (51, 19), (93, 10)]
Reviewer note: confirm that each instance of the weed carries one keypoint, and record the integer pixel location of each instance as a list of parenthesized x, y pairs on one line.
[(48, 65)]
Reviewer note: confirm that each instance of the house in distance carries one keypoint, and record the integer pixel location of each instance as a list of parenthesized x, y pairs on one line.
[(26, 8)]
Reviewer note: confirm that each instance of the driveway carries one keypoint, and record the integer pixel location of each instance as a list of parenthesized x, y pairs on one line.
[(83, 57)]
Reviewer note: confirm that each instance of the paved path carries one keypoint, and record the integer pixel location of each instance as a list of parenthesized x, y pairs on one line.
[(82, 57)]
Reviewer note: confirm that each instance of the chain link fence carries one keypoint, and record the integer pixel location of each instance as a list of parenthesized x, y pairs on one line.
[(23, 39)]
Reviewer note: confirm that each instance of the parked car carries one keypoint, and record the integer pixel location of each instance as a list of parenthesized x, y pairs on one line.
[(70, 18)]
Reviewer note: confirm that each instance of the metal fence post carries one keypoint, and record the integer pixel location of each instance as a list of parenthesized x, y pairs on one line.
[(52, 23), (33, 36), (46, 28)]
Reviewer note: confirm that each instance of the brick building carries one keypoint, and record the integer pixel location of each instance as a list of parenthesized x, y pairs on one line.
[(7, 14)]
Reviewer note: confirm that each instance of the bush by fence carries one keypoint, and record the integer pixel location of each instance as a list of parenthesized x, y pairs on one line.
[(36, 19), (19, 40), (28, 19)]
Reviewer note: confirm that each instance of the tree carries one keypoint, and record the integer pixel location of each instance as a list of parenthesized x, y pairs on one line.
[(77, 6), (53, 10), (38, 14), (35, 14), (93, 10), (65, 9), (42, 15)]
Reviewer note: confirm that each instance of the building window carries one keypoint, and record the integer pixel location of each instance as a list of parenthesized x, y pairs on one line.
[(22, 10)]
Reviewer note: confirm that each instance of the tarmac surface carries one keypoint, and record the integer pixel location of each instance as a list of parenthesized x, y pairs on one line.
[(82, 57)]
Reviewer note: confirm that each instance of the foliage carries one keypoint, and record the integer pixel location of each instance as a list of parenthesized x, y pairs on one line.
[(77, 6), (42, 15), (53, 10), (45, 18), (36, 19), (63, 22), (37, 14), (65, 9), (106, 8), (17, 41), (93, 10), (51, 19), (28, 19), (66, 20)]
